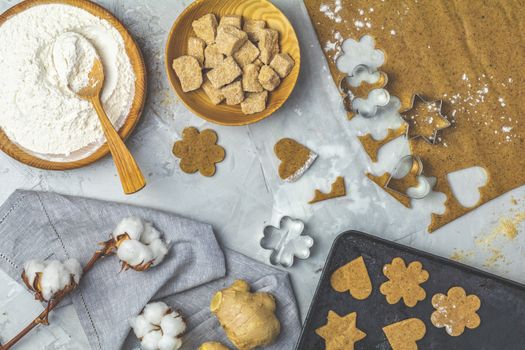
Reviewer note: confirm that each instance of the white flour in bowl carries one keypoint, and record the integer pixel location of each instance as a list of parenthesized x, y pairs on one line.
[(38, 111)]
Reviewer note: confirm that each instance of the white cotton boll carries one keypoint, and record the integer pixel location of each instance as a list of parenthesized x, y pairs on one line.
[(134, 253), (169, 343), (31, 268), (154, 312), (150, 233), (133, 226), (151, 340), (141, 326), (173, 324), (159, 250), (52, 279), (74, 268)]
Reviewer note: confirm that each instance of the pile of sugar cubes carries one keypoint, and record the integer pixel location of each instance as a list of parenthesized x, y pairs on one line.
[(237, 65)]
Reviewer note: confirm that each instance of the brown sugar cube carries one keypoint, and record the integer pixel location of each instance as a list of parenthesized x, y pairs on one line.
[(196, 48), (206, 28), (230, 39), (268, 45), (189, 72), (246, 54), (258, 63), (252, 27), (268, 78), (233, 93), (231, 21), (215, 95), (225, 73), (282, 63), (212, 57), (255, 102), (250, 78)]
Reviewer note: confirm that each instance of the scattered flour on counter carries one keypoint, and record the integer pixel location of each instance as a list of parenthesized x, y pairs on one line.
[(38, 110), (332, 13)]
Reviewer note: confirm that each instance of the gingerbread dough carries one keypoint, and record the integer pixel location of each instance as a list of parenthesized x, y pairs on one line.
[(354, 278), (455, 311), (295, 159), (403, 335), (340, 333), (404, 282), (338, 190), (198, 151), (447, 51)]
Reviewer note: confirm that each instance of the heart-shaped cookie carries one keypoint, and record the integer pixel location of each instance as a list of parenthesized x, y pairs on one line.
[(403, 335), (295, 159), (354, 278)]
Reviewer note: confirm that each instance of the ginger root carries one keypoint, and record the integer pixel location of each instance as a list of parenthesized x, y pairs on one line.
[(212, 346), (247, 318)]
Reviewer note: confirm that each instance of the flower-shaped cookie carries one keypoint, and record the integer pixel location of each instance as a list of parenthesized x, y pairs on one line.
[(455, 311), (404, 282), (198, 151)]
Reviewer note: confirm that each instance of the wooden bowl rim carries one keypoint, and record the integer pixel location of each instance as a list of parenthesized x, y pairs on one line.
[(263, 115), (139, 99)]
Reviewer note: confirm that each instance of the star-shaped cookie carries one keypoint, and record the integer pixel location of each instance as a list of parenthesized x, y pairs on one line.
[(340, 333), (424, 119)]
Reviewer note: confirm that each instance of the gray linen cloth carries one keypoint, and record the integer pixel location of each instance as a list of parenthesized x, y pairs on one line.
[(39, 225)]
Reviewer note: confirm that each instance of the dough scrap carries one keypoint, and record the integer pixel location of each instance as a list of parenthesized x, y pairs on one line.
[(198, 151), (338, 189), (340, 333), (403, 335), (372, 145), (455, 311), (404, 282), (354, 278)]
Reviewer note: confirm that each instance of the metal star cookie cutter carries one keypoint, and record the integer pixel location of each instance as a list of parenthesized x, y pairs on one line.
[(365, 91), (407, 175), (286, 242), (429, 125)]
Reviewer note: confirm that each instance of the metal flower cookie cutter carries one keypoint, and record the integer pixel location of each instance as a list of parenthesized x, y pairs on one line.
[(286, 242), (367, 97)]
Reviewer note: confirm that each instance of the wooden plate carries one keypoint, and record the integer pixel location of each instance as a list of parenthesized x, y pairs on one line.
[(177, 44), (137, 105)]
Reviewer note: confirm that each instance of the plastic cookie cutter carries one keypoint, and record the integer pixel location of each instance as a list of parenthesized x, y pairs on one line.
[(364, 92), (425, 119), (286, 242), (407, 178)]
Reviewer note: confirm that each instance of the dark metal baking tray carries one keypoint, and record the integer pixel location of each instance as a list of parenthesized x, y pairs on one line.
[(502, 309)]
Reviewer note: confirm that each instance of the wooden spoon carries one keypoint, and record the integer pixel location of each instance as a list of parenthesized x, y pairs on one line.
[(130, 175)]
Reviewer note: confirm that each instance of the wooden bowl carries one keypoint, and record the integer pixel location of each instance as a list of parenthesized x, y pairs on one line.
[(177, 44), (137, 105)]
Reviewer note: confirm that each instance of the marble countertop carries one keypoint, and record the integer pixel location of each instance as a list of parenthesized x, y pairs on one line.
[(246, 194)]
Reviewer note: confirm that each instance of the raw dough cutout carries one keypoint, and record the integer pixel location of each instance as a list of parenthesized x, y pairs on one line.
[(465, 185), (198, 151), (286, 242), (295, 159), (403, 335), (354, 278), (404, 282), (455, 311), (425, 119), (372, 145), (340, 333), (338, 190)]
